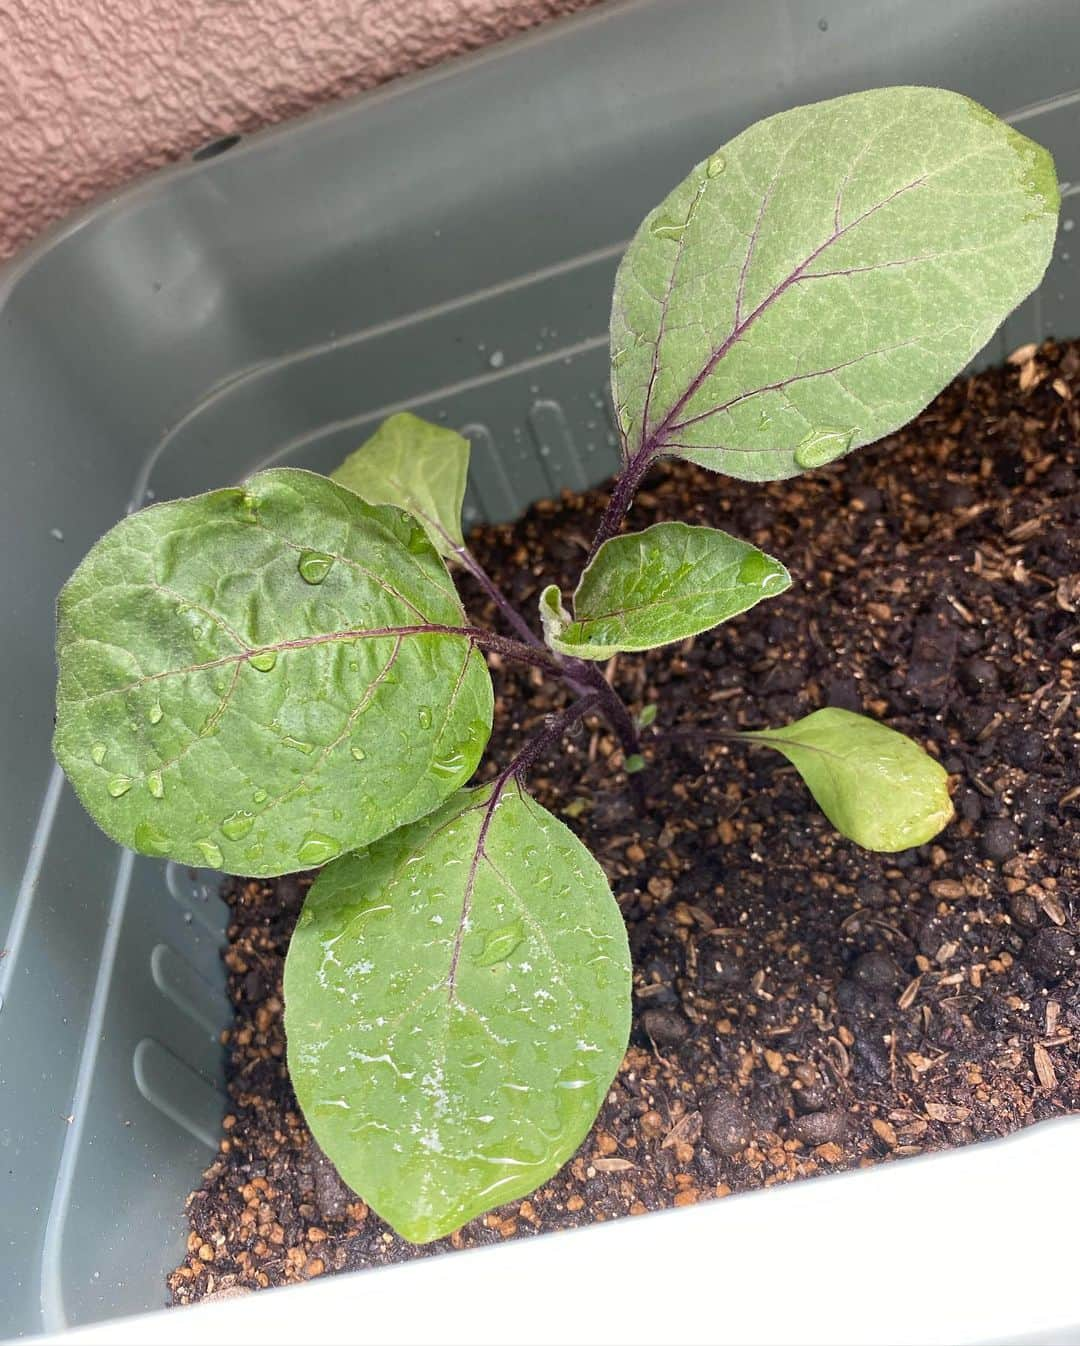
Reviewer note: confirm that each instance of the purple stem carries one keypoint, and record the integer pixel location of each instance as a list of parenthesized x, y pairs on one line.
[(502, 603)]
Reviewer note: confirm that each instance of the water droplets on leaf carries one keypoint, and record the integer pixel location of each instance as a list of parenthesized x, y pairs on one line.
[(119, 785), (715, 165), (314, 566), (156, 785), (357, 753), (317, 848), (211, 853), (97, 753), (237, 825), (260, 797), (264, 661), (822, 445), (247, 507), (499, 944), (150, 840), (449, 765), (424, 716), (755, 569), (298, 743), (155, 713)]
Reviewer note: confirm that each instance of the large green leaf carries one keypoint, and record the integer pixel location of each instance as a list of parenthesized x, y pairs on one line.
[(417, 466), (457, 1001), (816, 282), (646, 589), (876, 786), (257, 679)]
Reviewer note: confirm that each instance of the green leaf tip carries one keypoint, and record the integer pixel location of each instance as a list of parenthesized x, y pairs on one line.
[(876, 786), (847, 263), (421, 468), (457, 1001), (652, 588), (263, 678)]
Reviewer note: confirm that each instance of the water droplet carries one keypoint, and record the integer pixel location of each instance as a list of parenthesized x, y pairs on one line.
[(358, 753), (500, 944), (149, 840), (264, 661), (754, 568), (97, 753), (238, 824), (247, 507), (316, 849), (672, 229), (424, 716), (155, 713), (496, 359), (119, 785), (298, 744), (211, 853), (260, 796), (822, 445), (314, 566), (715, 165), (823, 24), (58, 533), (449, 766), (1068, 225), (156, 785)]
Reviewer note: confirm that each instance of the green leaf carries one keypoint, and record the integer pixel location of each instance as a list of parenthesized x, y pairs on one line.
[(259, 679), (876, 786), (646, 589), (457, 1001), (421, 468), (816, 282)]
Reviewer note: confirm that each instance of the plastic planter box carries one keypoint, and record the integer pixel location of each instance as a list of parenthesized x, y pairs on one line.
[(447, 244)]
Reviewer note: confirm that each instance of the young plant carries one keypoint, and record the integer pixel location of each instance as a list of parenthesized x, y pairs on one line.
[(281, 675)]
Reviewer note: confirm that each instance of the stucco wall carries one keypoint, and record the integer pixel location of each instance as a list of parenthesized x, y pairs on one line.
[(94, 92)]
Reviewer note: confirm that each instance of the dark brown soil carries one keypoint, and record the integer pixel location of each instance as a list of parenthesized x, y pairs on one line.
[(800, 1005)]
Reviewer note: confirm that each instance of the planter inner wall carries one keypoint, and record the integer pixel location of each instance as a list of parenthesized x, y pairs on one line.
[(447, 244)]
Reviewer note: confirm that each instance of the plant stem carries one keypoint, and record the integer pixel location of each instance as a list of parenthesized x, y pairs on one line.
[(502, 603), (554, 728), (611, 704), (622, 494)]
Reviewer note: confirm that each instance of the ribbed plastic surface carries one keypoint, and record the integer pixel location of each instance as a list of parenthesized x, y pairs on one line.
[(447, 245)]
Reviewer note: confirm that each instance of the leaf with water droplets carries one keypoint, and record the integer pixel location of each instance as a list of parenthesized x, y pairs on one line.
[(457, 1001), (419, 467), (260, 662), (646, 589), (813, 285), (875, 785)]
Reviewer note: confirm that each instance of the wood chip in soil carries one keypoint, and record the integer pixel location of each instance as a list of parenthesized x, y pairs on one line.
[(800, 1006)]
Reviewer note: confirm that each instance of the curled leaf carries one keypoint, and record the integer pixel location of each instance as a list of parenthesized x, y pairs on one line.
[(668, 582), (457, 1000), (875, 785)]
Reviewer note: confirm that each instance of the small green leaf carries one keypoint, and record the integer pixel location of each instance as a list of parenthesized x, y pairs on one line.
[(224, 697), (816, 292), (634, 763), (876, 786), (457, 1001), (648, 715), (646, 589), (417, 466)]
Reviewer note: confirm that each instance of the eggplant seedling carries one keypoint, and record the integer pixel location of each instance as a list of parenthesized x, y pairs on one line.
[(281, 675)]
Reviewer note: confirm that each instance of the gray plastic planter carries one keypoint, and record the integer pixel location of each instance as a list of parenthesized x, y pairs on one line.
[(447, 244)]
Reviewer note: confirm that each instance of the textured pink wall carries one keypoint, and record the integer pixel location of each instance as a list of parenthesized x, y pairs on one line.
[(94, 92)]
